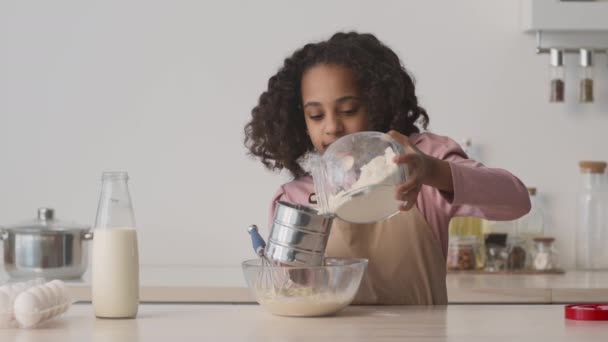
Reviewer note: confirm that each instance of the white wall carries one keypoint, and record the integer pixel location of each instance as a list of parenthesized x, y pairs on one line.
[(162, 89)]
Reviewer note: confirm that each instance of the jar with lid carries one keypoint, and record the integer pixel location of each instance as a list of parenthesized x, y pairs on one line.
[(557, 73), (516, 253), (586, 76), (592, 226), (496, 252), (544, 256), (462, 253)]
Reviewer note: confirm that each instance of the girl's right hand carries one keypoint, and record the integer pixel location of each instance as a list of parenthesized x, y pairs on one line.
[(423, 170), (417, 163)]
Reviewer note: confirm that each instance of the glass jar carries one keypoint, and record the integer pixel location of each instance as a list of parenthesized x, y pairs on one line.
[(544, 256), (516, 254), (586, 76), (496, 252), (557, 75), (592, 227), (469, 227), (532, 224), (463, 252)]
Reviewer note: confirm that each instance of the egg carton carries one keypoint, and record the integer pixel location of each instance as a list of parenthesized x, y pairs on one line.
[(32, 303)]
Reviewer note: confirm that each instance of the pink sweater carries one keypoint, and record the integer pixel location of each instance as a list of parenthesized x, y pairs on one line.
[(479, 191)]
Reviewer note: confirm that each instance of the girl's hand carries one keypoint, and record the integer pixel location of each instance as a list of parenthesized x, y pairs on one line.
[(418, 165), (423, 170)]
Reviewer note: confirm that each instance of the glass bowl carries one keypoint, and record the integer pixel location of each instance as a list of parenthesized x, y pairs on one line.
[(305, 291), (355, 178)]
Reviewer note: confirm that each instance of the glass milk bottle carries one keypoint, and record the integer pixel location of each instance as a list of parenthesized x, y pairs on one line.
[(115, 280), (592, 227)]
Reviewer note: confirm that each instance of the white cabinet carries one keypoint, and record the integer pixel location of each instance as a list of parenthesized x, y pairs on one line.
[(559, 15), (567, 24)]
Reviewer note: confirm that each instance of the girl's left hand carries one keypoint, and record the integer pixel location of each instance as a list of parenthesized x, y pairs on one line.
[(419, 166)]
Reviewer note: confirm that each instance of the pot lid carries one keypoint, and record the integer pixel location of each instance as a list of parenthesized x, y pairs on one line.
[(46, 221)]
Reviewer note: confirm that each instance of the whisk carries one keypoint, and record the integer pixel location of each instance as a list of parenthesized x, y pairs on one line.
[(265, 278), (258, 244), (273, 278)]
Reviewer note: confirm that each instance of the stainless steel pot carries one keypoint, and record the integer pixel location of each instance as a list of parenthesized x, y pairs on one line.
[(46, 247)]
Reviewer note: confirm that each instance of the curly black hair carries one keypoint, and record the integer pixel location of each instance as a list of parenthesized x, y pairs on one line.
[(277, 131)]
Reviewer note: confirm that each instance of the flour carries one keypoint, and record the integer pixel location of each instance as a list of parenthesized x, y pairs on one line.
[(303, 302), (372, 197)]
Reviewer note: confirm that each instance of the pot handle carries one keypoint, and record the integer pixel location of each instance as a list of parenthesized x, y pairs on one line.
[(88, 235)]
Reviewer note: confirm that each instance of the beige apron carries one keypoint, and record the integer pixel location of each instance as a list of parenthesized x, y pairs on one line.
[(406, 265)]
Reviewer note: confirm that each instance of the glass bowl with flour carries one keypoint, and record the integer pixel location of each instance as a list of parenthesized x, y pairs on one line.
[(355, 178), (305, 291)]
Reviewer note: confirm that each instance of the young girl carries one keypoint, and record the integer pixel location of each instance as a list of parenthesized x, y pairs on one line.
[(351, 83)]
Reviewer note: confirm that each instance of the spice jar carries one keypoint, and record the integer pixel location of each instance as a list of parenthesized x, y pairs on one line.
[(496, 252), (557, 85), (462, 253), (544, 256), (516, 249), (586, 76)]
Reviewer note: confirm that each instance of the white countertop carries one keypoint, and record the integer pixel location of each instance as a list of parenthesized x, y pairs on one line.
[(198, 322), (226, 285)]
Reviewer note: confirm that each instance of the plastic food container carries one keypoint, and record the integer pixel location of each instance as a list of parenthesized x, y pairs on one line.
[(30, 304), (355, 178)]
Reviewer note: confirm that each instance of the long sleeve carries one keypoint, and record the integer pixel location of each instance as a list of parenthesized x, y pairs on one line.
[(479, 191), (488, 193)]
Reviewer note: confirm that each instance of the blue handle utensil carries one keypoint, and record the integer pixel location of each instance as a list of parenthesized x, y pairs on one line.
[(256, 240)]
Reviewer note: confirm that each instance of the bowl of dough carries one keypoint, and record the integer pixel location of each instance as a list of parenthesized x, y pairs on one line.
[(305, 291), (355, 178)]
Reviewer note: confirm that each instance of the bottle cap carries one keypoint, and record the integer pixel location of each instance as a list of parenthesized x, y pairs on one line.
[(544, 239), (587, 312), (587, 166)]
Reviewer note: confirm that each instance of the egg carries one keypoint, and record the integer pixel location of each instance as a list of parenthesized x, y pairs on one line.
[(58, 282), (57, 292), (60, 288), (43, 302), (52, 300), (46, 305), (27, 309)]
